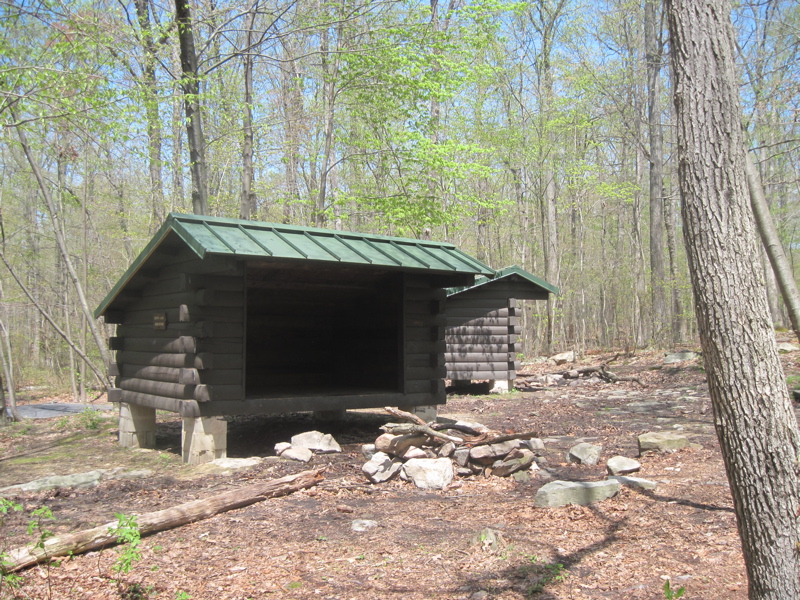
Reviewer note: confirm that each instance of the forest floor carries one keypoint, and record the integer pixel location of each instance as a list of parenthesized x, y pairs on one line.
[(426, 545)]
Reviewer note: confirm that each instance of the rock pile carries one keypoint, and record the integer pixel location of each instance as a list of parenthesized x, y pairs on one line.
[(431, 457)]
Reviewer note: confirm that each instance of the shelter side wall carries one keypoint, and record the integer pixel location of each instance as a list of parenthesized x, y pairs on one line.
[(482, 330), (423, 342), (180, 341)]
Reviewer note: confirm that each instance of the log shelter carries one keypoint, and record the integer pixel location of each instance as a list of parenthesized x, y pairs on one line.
[(219, 317), (482, 327)]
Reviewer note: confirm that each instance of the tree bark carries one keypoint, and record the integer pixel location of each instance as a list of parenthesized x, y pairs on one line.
[(753, 415), (652, 33), (773, 246), (248, 199), (191, 103), (150, 88), (101, 537)]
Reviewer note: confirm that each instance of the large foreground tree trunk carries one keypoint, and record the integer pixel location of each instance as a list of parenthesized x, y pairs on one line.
[(753, 415)]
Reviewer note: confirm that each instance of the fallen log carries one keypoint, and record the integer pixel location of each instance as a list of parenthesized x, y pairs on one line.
[(169, 518)]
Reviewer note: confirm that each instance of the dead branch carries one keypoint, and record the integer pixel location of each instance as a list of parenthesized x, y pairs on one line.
[(101, 537), (405, 416)]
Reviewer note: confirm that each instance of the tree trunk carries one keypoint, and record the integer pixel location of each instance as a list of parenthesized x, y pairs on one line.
[(197, 510), (150, 88), (773, 246), (55, 219), (248, 199), (753, 415), (191, 103), (652, 33)]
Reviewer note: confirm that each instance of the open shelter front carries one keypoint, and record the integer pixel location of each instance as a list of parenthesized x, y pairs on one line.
[(483, 329), (220, 317)]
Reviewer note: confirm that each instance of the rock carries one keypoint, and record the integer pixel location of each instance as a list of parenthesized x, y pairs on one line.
[(677, 357), (322, 443), (488, 453), (461, 456), (622, 465), (662, 441), (636, 483), (401, 443), (360, 525), (297, 453), (464, 472), (414, 452), (368, 450), (446, 450), (521, 476), (384, 442), (224, 466), (562, 493), (464, 426), (786, 347), (381, 467), (518, 460), (564, 357), (429, 473), (571, 374), (281, 447), (533, 444), (584, 454), (78, 480)]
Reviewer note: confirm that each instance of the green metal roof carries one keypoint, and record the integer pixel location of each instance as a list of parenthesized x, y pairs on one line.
[(513, 271), (255, 239)]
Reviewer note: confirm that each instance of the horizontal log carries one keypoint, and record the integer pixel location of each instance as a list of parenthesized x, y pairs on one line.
[(480, 366), (434, 359), (479, 339), (178, 345), (165, 374), (424, 320), (455, 348), (114, 317), (113, 369), (169, 518), (114, 394), (424, 307), (430, 386), (425, 372), (483, 330), (207, 393), (185, 408), (425, 346), (425, 294), (187, 313), (477, 313), (156, 388), (462, 357), (470, 375), (203, 360), (480, 322), (422, 334), (212, 376), (201, 329), (201, 297)]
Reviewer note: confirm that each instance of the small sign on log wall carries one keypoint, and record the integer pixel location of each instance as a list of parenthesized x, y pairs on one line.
[(159, 321)]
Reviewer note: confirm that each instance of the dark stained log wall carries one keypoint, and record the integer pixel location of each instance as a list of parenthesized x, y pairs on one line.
[(482, 333), (180, 334)]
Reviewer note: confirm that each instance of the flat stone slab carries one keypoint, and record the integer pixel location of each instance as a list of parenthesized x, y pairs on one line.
[(636, 483), (322, 443), (78, 480), (59, 409), (563, 493), (622, 465), (662, 441)]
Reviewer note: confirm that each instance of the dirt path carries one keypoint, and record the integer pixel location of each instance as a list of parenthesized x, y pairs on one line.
[(421, 545)]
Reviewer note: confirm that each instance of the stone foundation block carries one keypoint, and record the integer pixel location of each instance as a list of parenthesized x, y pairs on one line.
[(204, 439), (137, 426)]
